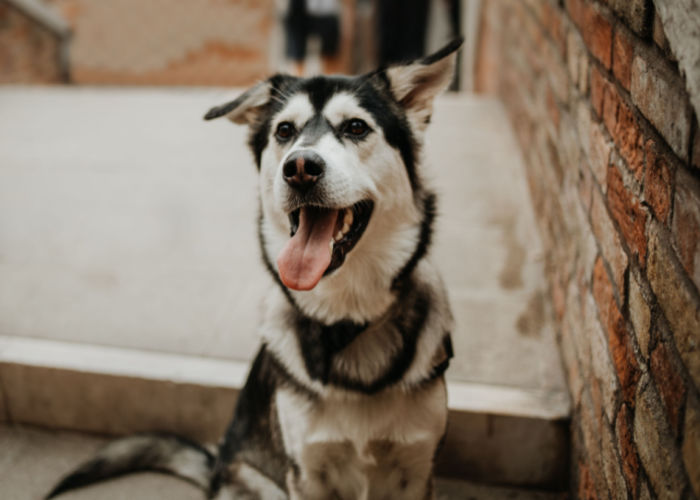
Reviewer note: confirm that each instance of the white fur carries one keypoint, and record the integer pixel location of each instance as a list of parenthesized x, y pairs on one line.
[(406, 422), (254, 98), (360, 289), (416, 85), (255, 482)]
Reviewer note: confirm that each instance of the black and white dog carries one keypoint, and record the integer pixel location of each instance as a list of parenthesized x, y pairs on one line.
[(346, 398)]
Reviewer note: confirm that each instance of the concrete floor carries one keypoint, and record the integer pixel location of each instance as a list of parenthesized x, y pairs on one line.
[(126, 220), (32, 461)]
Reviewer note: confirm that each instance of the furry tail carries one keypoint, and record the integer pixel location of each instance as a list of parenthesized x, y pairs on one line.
[(145, 452)]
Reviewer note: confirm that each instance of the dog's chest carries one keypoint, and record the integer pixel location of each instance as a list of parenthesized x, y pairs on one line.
[(359, 446)]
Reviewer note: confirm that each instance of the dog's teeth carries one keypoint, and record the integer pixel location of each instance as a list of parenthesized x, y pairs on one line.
[(348, 217), (346, 228), (330, 246), (338, 236)]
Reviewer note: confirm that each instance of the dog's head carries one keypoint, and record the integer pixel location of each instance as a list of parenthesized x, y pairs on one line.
[(340, 185)]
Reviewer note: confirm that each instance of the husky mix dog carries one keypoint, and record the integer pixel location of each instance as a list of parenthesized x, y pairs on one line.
[(346, 398)]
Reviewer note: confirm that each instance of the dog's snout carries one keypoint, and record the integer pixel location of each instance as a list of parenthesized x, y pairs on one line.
[(302, 169)]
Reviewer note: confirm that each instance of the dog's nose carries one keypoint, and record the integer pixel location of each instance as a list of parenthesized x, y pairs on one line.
[(302, 169)]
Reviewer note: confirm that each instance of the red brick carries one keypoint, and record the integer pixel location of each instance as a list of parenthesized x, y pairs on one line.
[(622, 354), (586, 487), (597, 398), (598, 84), (618, 336), (552, 20), (597, 33), (621, 124), (628, 212), (552, 107), (669, 383), (657, 182), (609, 240), (623, 53), (594, 28), (575, 8), (602, 290), (628, 451), (611, 105)]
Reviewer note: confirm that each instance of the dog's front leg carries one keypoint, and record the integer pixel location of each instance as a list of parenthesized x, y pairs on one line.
[(252, 459)]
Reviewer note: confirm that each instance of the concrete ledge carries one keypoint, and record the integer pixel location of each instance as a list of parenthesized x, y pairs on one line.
[(506, 449), (496, 434), (33, 459)]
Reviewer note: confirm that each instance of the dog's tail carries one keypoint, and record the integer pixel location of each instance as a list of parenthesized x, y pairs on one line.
[(144, 452)]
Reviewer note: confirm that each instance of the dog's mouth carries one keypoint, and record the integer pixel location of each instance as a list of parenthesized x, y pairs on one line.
[(321, 237)]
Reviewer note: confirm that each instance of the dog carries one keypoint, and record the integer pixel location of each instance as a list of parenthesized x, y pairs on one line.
[(346, 398)]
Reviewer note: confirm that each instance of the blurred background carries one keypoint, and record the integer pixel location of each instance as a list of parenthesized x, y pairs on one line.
[(219, 42)]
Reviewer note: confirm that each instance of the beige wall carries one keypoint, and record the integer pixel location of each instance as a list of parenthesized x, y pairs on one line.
[(169, 42)]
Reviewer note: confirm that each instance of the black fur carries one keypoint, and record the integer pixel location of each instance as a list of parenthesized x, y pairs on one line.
[(409, 322), (425, 238), (249, 436), (372, 91), (440, 369), (281, 86), (320, 343), (151, 454), (379, 101), (448, 49), (316, 128)]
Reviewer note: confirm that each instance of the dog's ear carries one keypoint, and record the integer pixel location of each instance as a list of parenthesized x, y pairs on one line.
[(415, 85), (246, 108)]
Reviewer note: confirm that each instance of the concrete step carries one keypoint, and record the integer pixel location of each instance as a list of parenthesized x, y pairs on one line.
[(116, 391), (33, 459), (131, 275)]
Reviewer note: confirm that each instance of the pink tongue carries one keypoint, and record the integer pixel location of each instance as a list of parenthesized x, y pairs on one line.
[(307, 255)]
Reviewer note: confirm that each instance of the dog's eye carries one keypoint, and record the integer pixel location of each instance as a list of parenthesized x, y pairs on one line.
[(285, 131), (356, 128)]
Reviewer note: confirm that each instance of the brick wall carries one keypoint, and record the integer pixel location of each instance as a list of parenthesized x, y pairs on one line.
[(612, 148), (30, 50)]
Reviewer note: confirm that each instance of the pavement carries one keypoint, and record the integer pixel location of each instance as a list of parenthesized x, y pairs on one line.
[(32, 460)]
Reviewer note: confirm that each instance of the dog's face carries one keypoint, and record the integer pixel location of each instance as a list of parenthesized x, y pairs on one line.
[(340, 186)]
